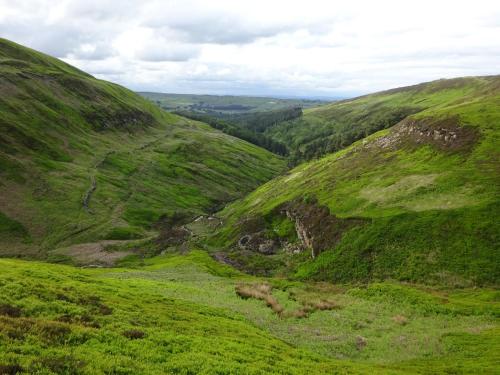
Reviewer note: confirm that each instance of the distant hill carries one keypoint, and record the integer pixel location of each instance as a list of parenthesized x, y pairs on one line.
[(334, 126), (417, 201), (83, 160), (225, 104)]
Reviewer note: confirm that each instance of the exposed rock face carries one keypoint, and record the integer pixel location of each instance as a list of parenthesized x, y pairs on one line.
[(304, 235), (316, 228), (293, 248), (267, 247), (444, 133), (255, 238)]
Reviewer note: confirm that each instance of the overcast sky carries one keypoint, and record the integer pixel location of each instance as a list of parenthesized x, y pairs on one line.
[(288, 48)]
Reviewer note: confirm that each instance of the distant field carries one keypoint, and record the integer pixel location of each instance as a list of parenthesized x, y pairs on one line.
[(225, 104)]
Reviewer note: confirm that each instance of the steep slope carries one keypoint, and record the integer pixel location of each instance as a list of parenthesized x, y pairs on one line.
[(83, 159), (335, 126), (417, 202)]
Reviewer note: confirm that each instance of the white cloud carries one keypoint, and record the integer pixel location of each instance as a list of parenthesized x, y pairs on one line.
[(262, 46)]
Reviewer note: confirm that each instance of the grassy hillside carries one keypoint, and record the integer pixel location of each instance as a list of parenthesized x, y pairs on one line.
[(331, 127), (93, 172), (224, 104), (415, 202), (180, 315), (83, 160)]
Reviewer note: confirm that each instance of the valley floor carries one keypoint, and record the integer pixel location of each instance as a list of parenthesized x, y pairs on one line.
[(181, 314)]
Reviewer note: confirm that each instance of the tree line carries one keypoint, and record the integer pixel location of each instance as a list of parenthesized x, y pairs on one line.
[(258, 122), (238, 130)]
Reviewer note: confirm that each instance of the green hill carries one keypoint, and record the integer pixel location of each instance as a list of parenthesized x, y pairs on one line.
[(415, 202), (83, 160), (334, 126)]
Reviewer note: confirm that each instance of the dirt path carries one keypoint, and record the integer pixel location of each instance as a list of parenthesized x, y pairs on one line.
[(88, 194), (93, 182), (94, 253)]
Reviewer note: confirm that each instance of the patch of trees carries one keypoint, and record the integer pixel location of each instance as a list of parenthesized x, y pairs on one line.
[(238, 131), (260, 121), (342, 136), (220, 107)]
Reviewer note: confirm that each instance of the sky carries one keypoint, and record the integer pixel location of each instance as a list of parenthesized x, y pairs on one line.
[(307, 48)]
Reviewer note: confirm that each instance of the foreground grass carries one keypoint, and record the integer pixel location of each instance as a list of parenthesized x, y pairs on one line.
[(180, 314), (84, 321)]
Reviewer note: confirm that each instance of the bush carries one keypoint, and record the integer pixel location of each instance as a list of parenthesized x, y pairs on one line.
[(134, 334)]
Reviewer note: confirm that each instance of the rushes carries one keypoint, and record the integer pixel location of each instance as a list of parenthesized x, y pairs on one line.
[(308, 307), (261, 292)]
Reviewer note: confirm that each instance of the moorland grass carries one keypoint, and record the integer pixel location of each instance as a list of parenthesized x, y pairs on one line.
[(181, 314)]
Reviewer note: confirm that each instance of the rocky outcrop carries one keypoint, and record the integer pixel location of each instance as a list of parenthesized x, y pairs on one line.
[(316, 228), (292, 247), (443, 133), (258, 242), (305, 236)]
